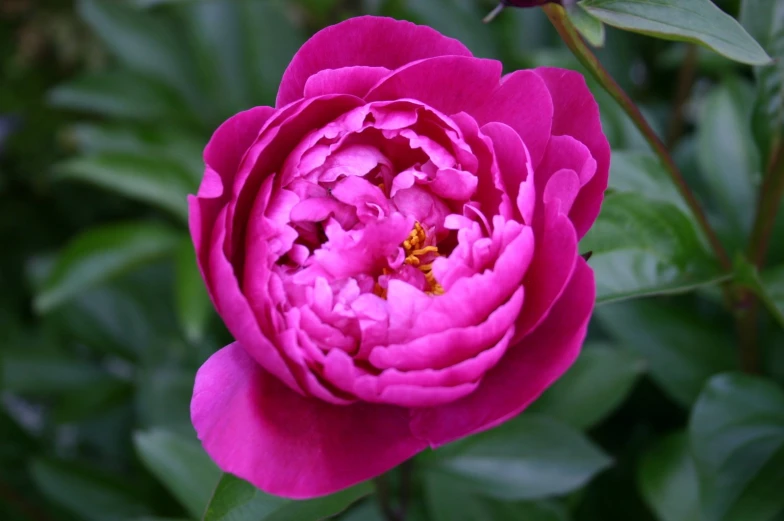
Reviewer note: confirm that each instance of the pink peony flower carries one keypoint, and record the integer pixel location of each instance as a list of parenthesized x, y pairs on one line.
[(394, 248)]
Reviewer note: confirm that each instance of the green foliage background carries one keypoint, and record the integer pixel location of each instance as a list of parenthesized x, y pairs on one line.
[(105, 106)]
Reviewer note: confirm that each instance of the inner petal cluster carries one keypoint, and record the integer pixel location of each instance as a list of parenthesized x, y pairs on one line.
[(382, 228)]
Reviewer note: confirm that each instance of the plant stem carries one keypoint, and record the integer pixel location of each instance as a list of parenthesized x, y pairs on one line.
[(569, 34), (768, 204), (685, 82), (771, 194)]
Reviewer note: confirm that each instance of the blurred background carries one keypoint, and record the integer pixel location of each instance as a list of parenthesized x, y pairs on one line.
[(105, 107)]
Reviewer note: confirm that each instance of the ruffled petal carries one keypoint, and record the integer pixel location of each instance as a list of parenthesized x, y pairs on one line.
[(577, 115), (523, 102), (526, 370), (355, 80)]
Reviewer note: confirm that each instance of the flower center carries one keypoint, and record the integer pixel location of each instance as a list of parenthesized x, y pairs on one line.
[(417, 252)]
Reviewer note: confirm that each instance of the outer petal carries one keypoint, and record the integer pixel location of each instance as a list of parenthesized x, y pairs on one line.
[(229, 143), (449, 84), (222, 157), (255, 427), (523, 374), (523, 102), (366, 40), (577, 115)]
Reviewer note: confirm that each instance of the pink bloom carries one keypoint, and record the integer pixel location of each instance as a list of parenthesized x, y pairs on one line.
[(394, 248)]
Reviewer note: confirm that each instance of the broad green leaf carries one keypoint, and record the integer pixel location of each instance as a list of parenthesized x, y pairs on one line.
[(529, 457), (163, 395), (728, 159), (181, 465), (118, 94), (89, 402), (155, 180), (146, 44), (26, 369), (460, 19), (597, 383), (764, 20), (266, 25), (643, 173), (193, 303), (591, 28), (173, 143), (644, 247), (101, 253), (450, 500), (214, 31), (668, 480), (682, 350), (367, 510), (737, 437), (108, 320), (237, 500), (148, 518), (772, 282), (89, 495), (697, 21)]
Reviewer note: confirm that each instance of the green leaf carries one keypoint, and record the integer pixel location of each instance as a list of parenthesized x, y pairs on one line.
[(193, 303), (173, 143), (88, 402), (697, 21), (156, 180), (118, 94), (238, 500), (643, 173), (107, 320), (89, 495), (597, 383), (591, 28), (737, 437), (728, 159), (668, 480), (529, 457), (764, 20), (146, 44), (367, 510), (163, 396), (450, 500), (181, 465), (148, 518), (214, 30), (682, 350), (26, 369), (267, 26), (101, 253), (644, 247)]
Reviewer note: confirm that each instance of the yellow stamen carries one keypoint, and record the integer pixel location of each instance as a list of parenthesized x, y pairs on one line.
[(415, 249)]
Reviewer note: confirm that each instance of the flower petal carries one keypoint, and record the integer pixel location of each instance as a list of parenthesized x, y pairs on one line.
[(523, 102), (363, 41), (255, 427), (577, 115), (449, 84), (355, 80), (526, 370)]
